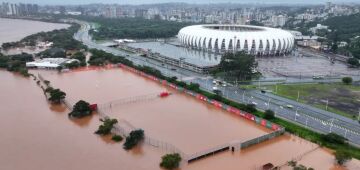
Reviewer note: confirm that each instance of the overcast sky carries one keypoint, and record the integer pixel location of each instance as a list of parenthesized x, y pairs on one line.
[(75, 2)]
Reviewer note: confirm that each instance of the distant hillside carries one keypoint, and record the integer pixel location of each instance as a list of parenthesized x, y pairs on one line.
[(346, 26)]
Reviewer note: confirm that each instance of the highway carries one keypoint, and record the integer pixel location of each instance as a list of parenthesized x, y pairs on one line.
[(304, 115)]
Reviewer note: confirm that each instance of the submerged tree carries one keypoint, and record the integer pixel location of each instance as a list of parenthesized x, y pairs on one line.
[(342, 157), (133, 139), (81, 109), (106, 127), (56, 95), (170, 161)]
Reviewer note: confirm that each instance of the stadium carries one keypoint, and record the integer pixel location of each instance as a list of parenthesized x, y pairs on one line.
[(254, 40)]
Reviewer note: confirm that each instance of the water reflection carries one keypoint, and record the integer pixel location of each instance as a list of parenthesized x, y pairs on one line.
[(198, 57)]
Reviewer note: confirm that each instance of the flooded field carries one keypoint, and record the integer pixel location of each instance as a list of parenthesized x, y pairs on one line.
[(13, 29), (198, 126), (36, 135)]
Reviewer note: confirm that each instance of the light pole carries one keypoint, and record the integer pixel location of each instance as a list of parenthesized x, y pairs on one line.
[(269, 103), (276, 88), (327, 103), (332, 123), (346, 132), (298, 96), (296, 113), (243, 96)]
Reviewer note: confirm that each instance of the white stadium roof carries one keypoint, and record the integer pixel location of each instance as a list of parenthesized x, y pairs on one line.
[(251, 39)]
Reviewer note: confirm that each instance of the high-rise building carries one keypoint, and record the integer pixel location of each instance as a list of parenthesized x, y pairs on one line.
[(278, 21), (18, 9)]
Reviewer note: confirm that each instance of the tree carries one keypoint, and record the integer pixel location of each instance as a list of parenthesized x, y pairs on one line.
[(170, 161), (250, 108), (353, 62), (240, 65), (81, 109), (334, 138), (269, 114), (117, 138), (133, 139), (194, 87), (106, 127), (342, 157), (57, 95), (347, 80)]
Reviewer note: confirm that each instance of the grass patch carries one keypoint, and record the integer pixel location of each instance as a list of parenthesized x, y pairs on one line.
[(343, 99)]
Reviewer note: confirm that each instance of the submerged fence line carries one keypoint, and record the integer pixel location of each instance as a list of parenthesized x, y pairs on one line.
[(169, 148), (248, 116), (128, 100)]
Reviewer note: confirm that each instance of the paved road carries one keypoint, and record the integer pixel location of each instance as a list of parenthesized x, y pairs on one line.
[(316, 119)]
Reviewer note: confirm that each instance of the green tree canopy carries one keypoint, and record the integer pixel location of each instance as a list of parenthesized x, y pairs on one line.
[(106, 127), (269, 114), (354, 62), (347, 80), (239, 64), (170, 161), (133, 139), (342, 157), (56, 95), (81, 109)]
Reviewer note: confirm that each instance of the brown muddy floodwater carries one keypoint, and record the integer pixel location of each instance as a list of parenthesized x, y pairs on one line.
[(178, 119), (16, 29), (36, 135)]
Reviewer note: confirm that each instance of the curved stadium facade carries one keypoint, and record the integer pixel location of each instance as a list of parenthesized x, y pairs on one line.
[(254, 40)]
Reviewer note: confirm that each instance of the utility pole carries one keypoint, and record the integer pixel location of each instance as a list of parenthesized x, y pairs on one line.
[(244, 96), (327, 103), (332, 123), (276, 88), (296, 113), (298, 96)]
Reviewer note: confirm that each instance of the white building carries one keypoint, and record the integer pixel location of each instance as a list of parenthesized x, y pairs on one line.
[(318, 27), (253, 40), (50, 63)]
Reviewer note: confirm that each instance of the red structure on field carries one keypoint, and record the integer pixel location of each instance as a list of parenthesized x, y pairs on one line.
[(93, 107), (164, 94)]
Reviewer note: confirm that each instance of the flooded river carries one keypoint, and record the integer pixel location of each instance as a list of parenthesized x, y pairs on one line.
[(16, 29)]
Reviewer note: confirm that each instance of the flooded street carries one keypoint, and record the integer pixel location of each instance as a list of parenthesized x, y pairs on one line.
[(13, 29)]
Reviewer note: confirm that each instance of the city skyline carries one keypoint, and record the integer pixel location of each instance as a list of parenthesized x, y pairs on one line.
[(139, 2)]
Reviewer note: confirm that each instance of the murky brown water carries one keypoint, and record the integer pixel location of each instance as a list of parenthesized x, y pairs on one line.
[(36, 135), (198, 126), (16, 29)]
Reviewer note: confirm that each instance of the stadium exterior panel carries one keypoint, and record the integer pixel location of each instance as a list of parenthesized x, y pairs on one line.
[(254, 40)]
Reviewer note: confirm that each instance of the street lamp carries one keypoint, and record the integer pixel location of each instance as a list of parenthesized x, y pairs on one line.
[(296, 113), (298, 96), (327, 103)]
